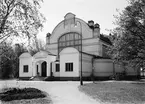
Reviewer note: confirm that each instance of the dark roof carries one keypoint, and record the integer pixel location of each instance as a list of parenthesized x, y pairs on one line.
[(88, 54), (100, 57), (105, 39), (96, 56)]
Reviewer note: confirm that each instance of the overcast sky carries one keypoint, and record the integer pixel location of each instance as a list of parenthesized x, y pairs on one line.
[(101, 11)]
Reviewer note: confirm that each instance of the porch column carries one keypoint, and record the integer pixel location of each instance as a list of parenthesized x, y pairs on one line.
[(39, 69)]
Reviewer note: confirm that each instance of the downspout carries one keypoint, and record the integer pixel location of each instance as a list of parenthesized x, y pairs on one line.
[(113, 69), (92, 74)]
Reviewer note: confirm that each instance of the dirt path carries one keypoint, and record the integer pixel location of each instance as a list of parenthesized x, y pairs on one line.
[(60, 92)]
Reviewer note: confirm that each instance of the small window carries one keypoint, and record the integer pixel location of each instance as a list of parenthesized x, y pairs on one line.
[(69, 66), (25, 68), (57, 67)]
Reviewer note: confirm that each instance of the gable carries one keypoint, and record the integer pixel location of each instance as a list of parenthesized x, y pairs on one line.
[(41, 54), (71, 24)]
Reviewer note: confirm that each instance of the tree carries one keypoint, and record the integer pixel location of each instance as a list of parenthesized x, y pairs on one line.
[(36, 45), (9, 59), (18, 50), (129, 36), (20, 18), (6, 57)]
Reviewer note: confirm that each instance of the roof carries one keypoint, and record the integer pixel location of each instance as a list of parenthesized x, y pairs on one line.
[(42, 54), (25, 55), (96, 56), (105, 39)]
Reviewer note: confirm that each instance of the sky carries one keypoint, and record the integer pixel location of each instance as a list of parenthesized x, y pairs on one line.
[(100, 11)]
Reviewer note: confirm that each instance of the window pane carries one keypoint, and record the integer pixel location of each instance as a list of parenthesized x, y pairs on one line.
[(63, 44), (71, 66), (71, 43), (76, 42), (79, 42), (79, 37), (71, 36), (67, 43), (79, 48), (67, 37), (66, 67), (76, 36), (63, 38)]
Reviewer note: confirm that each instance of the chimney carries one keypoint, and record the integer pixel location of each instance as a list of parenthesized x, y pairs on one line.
[(48, 38), (91, 24), (96, 30)]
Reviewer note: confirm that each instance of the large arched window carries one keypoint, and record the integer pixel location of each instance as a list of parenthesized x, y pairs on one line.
[(69, 40)]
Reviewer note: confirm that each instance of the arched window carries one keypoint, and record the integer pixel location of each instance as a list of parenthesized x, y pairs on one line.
[(69, 40)]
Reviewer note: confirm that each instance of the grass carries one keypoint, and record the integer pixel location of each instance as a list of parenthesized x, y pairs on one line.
[(116, 92), (10, 94)]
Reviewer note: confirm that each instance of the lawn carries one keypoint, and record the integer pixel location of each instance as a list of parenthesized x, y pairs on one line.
[(24, 95), (116, 92)]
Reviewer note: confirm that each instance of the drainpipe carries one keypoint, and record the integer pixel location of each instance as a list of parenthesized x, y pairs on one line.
[(81, 75), (113, 68), (92, 74)]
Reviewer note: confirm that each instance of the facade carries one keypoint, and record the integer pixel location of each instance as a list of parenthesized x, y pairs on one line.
[(72, 44)]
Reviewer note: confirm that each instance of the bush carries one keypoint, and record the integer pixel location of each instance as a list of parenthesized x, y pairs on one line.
[(18, 94), (118, 76)]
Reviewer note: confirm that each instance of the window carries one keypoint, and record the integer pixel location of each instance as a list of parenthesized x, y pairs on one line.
[(69, 66), (25, 68), (57, 67), (69, 40)]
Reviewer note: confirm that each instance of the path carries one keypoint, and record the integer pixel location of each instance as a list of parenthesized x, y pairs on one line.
[(60, 92)]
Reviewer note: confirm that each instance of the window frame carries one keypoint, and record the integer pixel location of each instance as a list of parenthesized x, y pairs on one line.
[(25, 68), (69, 67), (57, 67), (71, 39)]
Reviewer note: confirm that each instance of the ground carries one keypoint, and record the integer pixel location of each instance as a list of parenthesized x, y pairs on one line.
[(66, 92), (100, 92), (116, 92)]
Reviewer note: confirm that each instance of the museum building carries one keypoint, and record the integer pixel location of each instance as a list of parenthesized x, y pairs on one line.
[(73, 47)]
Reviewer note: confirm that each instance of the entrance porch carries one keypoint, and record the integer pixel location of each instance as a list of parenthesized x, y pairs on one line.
[(41, 68)]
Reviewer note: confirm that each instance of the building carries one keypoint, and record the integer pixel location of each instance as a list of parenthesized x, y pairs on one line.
[(73, 45)]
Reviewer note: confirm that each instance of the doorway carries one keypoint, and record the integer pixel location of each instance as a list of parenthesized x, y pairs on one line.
[(44, 69)]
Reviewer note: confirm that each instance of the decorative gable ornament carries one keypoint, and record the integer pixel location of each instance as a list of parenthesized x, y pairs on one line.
[(69, 19)]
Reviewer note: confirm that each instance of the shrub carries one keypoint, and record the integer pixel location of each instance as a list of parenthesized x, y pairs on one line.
[(118, 76), (18, 94)]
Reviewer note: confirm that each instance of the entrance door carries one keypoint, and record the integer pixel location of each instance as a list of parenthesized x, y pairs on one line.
[(43, 69)]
